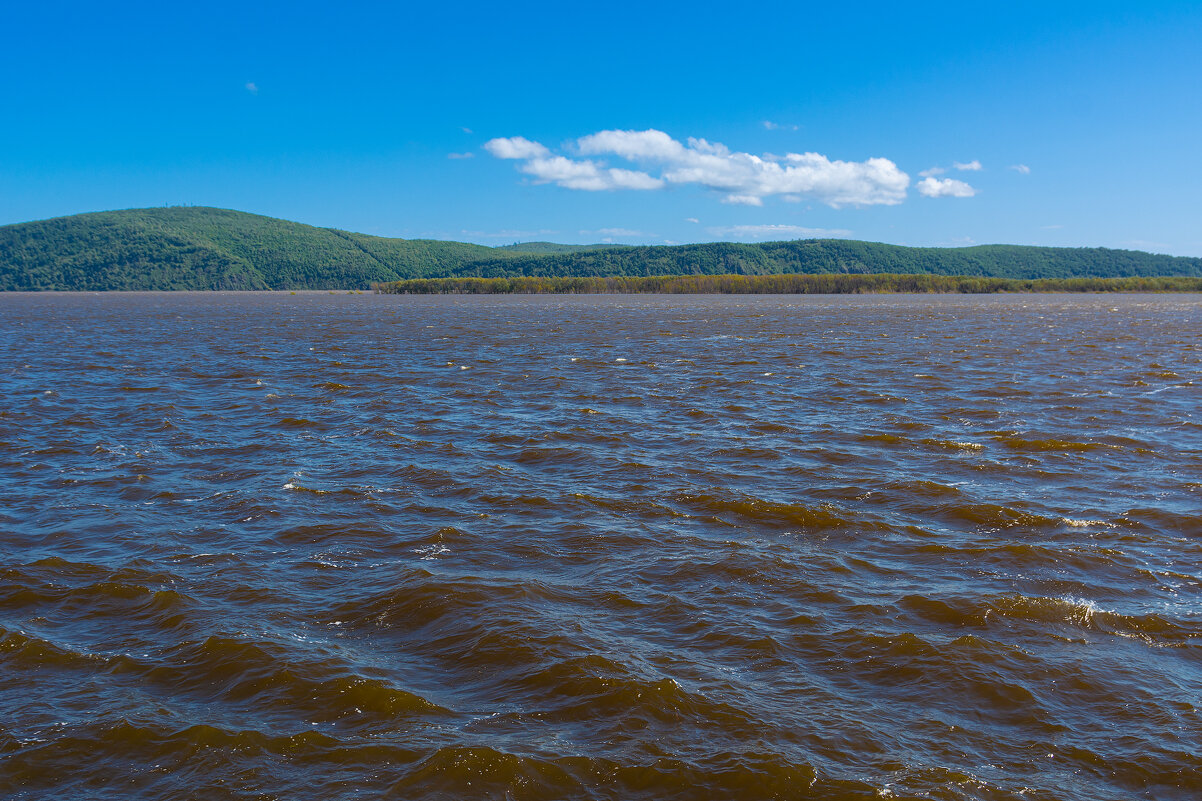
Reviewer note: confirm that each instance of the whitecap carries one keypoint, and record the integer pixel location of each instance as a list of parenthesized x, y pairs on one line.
[(432, 551), (1082, 610), (1082, 522)]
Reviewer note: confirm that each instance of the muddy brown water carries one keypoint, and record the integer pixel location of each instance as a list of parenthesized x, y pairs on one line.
[(314, 546)]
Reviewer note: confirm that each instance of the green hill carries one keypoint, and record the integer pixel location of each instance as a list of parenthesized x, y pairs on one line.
[(204, 248)]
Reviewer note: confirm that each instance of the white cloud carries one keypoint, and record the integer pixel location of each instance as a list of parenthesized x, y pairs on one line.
[(633, 179), (1023, 169), (461, 155), (944, 187), (252, 88), (586, 175), (744, 178), (763, 232), (565, 172), (692, 219), (933, 171), (583, 174), (465, 129), (649, 145), (776, 126), (515, 147)]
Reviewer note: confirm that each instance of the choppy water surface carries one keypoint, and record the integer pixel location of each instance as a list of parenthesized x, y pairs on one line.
[(330, 546)]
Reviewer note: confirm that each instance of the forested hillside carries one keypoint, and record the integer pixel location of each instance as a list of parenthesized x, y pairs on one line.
[(823, 256), (204, 248)]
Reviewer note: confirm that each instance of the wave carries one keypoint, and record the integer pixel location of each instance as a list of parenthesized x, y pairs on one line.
[(1050, 445), (277, 678), (1067, 613), (734, 508), (482, 771)]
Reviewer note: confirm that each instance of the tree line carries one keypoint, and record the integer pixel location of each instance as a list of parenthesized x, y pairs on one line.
[(784, 284)]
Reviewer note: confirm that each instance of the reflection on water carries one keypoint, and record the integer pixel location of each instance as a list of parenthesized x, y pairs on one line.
[(327, 546)]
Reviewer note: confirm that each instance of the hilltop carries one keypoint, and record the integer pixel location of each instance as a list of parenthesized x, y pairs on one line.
[(207, 248)]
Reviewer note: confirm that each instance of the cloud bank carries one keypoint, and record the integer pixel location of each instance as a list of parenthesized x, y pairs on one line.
[(742, 178)]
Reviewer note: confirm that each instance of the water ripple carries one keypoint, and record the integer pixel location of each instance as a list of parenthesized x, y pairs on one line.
[(331, 546)]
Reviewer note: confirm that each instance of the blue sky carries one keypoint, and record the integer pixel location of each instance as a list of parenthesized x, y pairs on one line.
[(630, 122)]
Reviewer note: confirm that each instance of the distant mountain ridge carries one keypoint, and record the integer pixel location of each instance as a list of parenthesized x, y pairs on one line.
[(198, 248)]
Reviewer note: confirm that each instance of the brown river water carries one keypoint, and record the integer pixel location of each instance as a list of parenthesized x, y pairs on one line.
[(318, 546)]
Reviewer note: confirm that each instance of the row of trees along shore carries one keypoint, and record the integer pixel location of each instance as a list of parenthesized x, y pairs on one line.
[(787, 284)]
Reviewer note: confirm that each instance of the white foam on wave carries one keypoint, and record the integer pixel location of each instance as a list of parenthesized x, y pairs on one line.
[(432, 551), (1083, 523), (1081, 610)]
